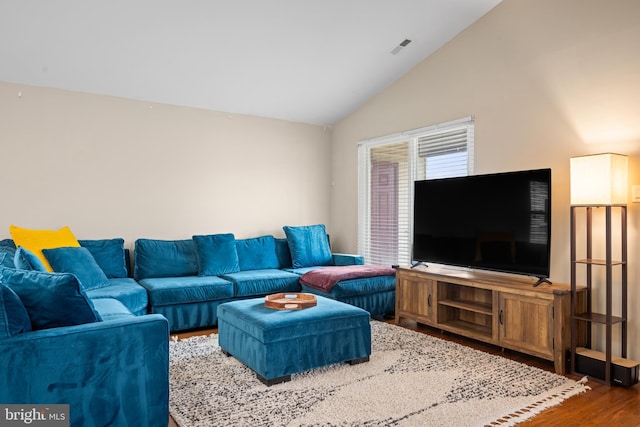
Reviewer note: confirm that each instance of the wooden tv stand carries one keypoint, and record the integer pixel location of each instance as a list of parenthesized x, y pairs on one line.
[(499, 309)]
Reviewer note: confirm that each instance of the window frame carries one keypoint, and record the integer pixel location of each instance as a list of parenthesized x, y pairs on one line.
[(414, 171)]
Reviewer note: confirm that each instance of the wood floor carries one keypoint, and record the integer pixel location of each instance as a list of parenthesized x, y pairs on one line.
[(601, 406)]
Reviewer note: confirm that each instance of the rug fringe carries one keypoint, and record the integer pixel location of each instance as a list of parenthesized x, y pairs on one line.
[(541, 405)]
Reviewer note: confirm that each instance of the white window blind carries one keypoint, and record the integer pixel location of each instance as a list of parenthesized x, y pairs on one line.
[(387, 168)]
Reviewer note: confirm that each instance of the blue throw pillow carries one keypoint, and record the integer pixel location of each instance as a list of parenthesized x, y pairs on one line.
[(52, 299), (164, 258), (7, 253), (7, 243), (79, 262), (13, 316), (309, 245), (257, 253), (24, 259), (217, 254), (284, 254), (109, 254)]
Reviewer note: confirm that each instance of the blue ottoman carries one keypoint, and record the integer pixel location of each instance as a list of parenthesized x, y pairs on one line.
[(278, 343)]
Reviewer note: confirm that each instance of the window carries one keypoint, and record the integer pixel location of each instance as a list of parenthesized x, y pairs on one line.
[(387, 168)]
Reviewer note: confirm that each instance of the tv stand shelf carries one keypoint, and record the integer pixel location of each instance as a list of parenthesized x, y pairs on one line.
[(500, 309), (468, 306)]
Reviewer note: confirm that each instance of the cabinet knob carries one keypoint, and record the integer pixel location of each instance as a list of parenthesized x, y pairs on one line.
[(429, 301), (500, 319)]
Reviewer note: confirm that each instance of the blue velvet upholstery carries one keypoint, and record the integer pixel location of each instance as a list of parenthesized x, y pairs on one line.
[(51, 299), (7, 244), (347, 259), (277, 343), (377, 294), (24, 259), (263, 282), (7, 253), (283, 253), (378, 304), (174, 290), (111, 309), (164, 258), (186, 316), (13, 316), (257, 253), (302, 270), (361, 286), (6, 260), (309, 245), (109, 254), (112, 373), (127, 291), (216, 254), (79, 262)]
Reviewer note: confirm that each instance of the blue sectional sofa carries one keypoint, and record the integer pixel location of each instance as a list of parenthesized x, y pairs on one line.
[(188, 297), (61, 344), (102, 346), (186, 280)]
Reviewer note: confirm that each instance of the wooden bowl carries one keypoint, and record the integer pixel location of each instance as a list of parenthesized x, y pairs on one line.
[(290, 301)]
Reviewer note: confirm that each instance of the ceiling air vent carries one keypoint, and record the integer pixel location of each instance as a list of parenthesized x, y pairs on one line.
[(396, 50)]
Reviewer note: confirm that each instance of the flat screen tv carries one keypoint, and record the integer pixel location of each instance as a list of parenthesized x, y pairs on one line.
[(499, 222)]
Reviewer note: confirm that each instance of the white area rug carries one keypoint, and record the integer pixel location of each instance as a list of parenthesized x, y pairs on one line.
[(412, 379)]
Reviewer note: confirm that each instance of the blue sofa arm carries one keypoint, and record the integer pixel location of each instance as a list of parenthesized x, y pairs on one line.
[(347, 259), (110, 373)]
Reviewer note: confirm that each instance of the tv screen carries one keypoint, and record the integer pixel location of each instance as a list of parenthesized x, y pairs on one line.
[(499, 222)]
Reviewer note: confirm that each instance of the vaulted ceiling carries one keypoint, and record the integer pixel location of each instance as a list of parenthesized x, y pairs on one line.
[(311, 61)]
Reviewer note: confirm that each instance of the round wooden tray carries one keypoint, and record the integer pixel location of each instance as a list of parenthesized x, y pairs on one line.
[(290, 301)]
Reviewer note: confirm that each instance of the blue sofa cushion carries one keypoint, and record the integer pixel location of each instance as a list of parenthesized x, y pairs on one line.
[(51, 299), (263, 282), (302, 270), (185, 290), (109, 254), (284, 253), (257, 253), (13, 316), (309, 245), (126, 290), (217, 254), (110, 309), (164, 258), (7, 253), (79, 262), (347, 259), (24, 259)]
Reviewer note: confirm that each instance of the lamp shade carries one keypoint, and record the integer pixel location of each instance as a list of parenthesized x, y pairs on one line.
[(599, 179)]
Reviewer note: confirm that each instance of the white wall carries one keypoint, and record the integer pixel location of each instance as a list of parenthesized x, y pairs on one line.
[(111, 167), (546, 80)]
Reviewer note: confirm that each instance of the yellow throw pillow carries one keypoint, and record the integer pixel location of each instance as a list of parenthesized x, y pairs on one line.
[(37, 240)]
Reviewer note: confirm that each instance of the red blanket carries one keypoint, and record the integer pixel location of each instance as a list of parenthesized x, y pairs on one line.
[(325, 278)]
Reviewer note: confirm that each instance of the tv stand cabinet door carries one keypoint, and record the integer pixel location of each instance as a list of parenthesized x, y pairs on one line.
[(526, 324), (415, 299)]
